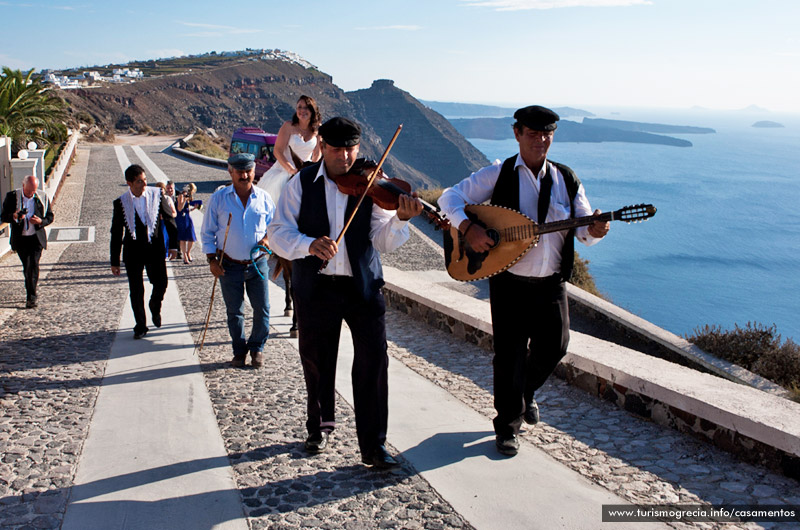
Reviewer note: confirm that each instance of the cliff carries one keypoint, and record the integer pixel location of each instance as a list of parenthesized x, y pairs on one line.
[(428, 142), (263, 93)]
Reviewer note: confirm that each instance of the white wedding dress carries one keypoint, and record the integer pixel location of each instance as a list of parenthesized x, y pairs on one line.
[(276, 177)]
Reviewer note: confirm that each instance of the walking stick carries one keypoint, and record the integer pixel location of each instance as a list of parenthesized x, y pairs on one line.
[(199, 347)]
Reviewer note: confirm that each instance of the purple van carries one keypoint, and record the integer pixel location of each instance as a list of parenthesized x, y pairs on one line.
[(256, 142)]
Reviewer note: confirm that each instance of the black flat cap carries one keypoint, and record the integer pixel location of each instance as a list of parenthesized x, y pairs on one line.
[(340, 132), (242, 161), (537, 118)]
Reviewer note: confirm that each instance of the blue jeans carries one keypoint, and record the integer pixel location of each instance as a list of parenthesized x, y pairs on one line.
[(237, 278)]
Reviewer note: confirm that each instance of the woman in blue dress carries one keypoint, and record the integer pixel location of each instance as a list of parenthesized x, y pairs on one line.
[(184, 205)]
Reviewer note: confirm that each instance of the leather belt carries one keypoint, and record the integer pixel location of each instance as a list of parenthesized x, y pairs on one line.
[(242, 261), (335, 278), (553, 278)]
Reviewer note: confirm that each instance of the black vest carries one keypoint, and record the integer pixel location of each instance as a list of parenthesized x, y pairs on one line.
[(506, 193), (313, 222)]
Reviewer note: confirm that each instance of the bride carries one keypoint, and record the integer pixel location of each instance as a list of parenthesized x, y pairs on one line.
[(296, 137)]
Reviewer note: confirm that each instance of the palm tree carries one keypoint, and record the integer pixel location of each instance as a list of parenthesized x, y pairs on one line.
[(29, 110)]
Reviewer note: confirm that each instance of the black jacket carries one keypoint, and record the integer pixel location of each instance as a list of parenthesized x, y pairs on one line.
[(10, 207), (140, 249)]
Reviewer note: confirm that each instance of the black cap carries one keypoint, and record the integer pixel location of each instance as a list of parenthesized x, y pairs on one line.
[(537, 118), (242, 161), (340, 132)]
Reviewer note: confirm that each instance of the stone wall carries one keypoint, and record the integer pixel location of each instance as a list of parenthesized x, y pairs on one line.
[(634, 402)]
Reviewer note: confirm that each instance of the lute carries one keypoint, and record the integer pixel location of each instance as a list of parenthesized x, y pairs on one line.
[(514, 234)]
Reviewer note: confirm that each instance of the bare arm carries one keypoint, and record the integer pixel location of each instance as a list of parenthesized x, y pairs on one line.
[(281, 143)]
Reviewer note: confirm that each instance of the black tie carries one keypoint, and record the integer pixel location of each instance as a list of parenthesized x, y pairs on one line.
[(544, 196)]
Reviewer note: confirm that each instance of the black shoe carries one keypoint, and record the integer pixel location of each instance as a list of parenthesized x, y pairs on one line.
[(157, 320), (139, 334), (30, 304), (238, 362), (531, 416), (507, 445), (380, 458), (317, 442)]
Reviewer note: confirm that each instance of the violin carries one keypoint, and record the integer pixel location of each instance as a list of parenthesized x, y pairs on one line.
[(385, 192)]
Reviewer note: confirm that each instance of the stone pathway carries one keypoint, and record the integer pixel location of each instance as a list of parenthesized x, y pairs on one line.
[(53, 359)]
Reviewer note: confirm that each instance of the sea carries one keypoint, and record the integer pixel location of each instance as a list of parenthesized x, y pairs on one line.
[(724, 246)]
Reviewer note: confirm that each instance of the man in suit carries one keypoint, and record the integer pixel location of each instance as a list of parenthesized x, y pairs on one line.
[(136, 231), (311, 213), (28, 211)]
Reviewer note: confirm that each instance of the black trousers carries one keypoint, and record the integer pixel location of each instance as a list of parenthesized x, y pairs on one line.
[(530, 321), (157, 275), (29, 250), (320, 313)]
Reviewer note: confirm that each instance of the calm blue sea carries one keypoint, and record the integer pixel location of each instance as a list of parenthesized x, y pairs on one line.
[(724, 246)]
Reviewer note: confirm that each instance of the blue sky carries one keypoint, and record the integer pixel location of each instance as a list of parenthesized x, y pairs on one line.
[(650, 53)]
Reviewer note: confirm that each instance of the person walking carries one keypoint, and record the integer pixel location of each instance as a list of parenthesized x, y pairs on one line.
[(136, 232), (243, 267), (530, 311), (311, 214), (28, 211)]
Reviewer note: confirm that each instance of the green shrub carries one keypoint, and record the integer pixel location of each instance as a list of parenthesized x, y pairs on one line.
[(756, 347), (581, 277)]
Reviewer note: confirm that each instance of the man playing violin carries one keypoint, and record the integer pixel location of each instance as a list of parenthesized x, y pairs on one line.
[(530, 311), (312, 212)]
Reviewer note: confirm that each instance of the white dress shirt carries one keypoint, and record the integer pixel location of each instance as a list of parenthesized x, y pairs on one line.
[(545, 258), (387, 231), (29, 204)]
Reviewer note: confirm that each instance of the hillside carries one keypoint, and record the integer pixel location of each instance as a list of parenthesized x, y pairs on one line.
[(258, 92), (428, 141)]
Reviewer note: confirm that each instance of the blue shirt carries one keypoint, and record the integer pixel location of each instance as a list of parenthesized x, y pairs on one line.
[(248, 223)]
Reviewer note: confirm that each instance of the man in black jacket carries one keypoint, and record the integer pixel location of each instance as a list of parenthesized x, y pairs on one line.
[(136, 231), (28, 211)]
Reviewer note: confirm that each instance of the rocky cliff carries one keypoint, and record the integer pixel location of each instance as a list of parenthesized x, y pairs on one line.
[(262, 93), (428, 141)]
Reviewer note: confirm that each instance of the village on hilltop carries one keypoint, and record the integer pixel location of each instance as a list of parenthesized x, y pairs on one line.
[(137, 70)]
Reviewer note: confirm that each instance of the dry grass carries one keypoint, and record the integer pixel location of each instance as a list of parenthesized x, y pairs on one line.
[(756, 347), (203, 144)]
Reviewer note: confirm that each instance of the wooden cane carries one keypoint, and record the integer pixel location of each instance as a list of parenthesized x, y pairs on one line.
[(199, 347)]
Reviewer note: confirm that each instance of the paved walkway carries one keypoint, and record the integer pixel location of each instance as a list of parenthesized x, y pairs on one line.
[(100, 431)]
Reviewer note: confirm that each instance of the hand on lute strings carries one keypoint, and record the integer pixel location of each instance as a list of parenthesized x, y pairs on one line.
[(475, 236)]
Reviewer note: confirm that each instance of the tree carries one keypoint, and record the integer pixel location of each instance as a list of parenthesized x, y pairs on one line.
[(29, 110)]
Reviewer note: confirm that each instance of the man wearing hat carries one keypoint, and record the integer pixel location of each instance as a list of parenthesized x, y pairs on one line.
[(530, 312), (311, 214), (243, 265)]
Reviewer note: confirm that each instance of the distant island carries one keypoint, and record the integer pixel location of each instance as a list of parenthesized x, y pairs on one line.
[(658, 128), (568, 131), (766, 124), (473, 110)]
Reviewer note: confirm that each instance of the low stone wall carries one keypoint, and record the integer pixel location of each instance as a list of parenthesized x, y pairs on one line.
[(756, 426)]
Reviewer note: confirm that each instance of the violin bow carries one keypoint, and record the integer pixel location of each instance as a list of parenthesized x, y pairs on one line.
[(373, 176)]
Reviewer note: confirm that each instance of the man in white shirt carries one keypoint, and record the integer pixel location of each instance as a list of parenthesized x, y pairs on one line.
[(311, 214), (28, 211), (136, 232), (530, 311)]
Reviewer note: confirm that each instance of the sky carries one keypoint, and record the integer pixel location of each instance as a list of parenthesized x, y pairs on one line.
[(717, 54)]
